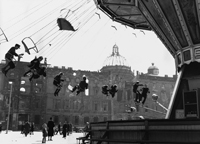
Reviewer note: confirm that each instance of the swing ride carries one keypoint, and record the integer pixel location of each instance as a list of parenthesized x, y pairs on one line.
[(179, 31)]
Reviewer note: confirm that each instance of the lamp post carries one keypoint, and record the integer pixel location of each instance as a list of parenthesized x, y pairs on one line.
[(9, 106), (155, 99)]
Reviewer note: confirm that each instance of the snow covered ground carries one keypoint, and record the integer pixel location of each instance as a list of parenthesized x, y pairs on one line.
[(14, 137)]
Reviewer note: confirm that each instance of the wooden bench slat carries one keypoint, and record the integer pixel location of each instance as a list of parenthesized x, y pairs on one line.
[(142, 141)]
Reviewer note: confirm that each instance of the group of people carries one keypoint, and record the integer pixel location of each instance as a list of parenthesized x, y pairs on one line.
[(27, 128), (81, 87), (140, 95), (109, 91), (49, 130), (36, 70)]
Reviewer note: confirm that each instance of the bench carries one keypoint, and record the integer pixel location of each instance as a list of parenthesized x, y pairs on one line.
[(139, 141), (84, 139)]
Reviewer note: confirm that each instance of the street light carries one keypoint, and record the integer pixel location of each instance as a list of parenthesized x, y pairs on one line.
[(155, 99), (8, 119)]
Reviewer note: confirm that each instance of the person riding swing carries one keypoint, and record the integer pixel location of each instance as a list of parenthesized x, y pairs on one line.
[(9, 58), (81, 87), (57, 82), (136, 91), (35, 68)]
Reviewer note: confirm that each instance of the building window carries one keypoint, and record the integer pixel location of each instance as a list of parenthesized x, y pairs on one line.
[(105, 119), (119, 95), (86, 119), (36, 104), (23, 82), (105, 107), (95, 119), (96, 107), (38, 87), (128, 92), (56, 119), (66, 104), (76, 120), (37, 119)]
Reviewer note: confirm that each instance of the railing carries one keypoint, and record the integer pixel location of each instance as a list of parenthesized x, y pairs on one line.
[(146, 131)]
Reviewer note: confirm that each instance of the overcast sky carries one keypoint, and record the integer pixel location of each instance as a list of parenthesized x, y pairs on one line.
[(89, 46)]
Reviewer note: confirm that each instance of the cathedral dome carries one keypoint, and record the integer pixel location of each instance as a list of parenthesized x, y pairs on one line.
[(115, 59), (153, 70)]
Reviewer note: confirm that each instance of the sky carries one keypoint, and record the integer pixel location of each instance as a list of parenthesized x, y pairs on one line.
[(85, 49)]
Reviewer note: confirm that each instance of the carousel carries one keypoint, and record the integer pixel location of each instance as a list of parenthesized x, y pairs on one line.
[(177, 25)]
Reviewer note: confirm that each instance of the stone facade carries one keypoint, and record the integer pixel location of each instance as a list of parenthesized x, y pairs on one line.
[(35, 101)]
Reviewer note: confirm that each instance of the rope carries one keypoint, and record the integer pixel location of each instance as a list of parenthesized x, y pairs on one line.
[(37, 21), (26, 13), (79, 17)]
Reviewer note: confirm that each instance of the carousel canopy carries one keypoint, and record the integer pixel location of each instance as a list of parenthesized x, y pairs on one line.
[(175, 22)]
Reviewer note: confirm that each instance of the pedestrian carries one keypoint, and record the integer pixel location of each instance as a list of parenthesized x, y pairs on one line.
[(9, 58), (44, 132), (27, 128), (59, 128), (22, 128), (0, 127), (87, 128), (32, 128), (64, 129), (50, 126), (70, 128)]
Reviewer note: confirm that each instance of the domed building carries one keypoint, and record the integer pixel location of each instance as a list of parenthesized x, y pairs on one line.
[(153, 70), (37, 102), (117, 65)]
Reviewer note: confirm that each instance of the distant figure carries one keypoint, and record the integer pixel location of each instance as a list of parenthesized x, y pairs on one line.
[(57, 82), (145, 90), (44, 132), (32, 128), (0, 127), (9, 58), (59, 128), (81, 87), (64, 129), (22, 128), (136, 92), (27, 128), (87, 128), (70, 128), (50, 126)]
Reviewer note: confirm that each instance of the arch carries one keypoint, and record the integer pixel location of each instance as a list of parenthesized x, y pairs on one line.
[(28, 41), (22, 89)]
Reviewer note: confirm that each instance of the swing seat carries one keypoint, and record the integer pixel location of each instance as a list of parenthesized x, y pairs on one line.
[(63, 24), (3, 37), (29, 41), (26, 48)]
